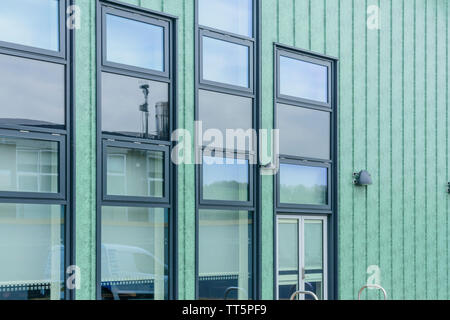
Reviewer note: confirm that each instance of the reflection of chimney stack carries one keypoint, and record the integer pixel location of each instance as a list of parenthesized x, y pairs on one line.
[(162, 120)]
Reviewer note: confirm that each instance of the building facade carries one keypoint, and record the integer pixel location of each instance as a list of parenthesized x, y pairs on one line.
[(122, 175)]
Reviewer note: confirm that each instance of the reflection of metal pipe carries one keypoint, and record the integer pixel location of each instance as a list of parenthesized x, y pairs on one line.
[(225, 296), (296, 293), (144, 108)]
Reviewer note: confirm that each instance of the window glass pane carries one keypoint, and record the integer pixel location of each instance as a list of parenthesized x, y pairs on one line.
[(31, 92), (225, 62), (30, 23), (314, 271), (303, 185), (233, 16), (219, 111), (128, 110), (225, 179), (304, 132), (134, 43), (135, 172), (31, 252), (225, 254), (134, 253), (303, 79), (29, 165), (288, 270)]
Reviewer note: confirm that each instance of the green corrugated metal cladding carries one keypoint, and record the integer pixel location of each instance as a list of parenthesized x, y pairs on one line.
[(393, 121)]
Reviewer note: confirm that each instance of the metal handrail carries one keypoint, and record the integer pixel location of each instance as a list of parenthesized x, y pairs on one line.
[(231, 289), (296, 293), (373, 286)]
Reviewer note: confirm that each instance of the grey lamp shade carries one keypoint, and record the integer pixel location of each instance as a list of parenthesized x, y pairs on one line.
[(363, 178)]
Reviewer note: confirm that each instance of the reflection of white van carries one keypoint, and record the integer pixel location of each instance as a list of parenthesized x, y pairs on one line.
[(42, 282), (132, 272)]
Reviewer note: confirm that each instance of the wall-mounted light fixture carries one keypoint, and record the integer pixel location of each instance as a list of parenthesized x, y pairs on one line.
[(362, 178), (448, 187)]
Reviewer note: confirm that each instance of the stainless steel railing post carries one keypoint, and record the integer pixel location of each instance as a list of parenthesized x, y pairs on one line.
[(232, 289), (296, 293), (373, 286)]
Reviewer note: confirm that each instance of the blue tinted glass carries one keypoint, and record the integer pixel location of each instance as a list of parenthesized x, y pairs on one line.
[(303, 185), (304, 132), (233, 16), (303, 79), (219, 111), (32, 92), (225, 62), (33, 23), (134, 43), (225, 179)]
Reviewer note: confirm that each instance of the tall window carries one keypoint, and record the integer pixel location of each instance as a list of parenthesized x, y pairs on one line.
[(35, 157), (225, 105), (305, 113), (135, 119)]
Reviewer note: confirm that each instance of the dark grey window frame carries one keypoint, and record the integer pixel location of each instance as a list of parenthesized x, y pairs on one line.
[(222, 36), (305, 58), (143, 147), (307, 207), (282, 50), (61, 141), (253, 92), (65, 136), (169, 77), (61, 53), (144, 19), (331, 211), (229, 155)]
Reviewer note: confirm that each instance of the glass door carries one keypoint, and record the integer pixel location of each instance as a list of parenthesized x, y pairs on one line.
[(301, 257)]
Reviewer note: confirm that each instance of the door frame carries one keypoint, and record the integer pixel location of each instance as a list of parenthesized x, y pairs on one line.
[(301, 218)]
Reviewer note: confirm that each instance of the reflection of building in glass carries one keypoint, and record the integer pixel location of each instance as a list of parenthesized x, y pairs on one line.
[(86, 176), (42, 177), (135, 172), (28, 166), (136, 107)]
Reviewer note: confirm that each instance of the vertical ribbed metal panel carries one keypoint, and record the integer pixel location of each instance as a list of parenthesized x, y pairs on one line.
[(393, 121)]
